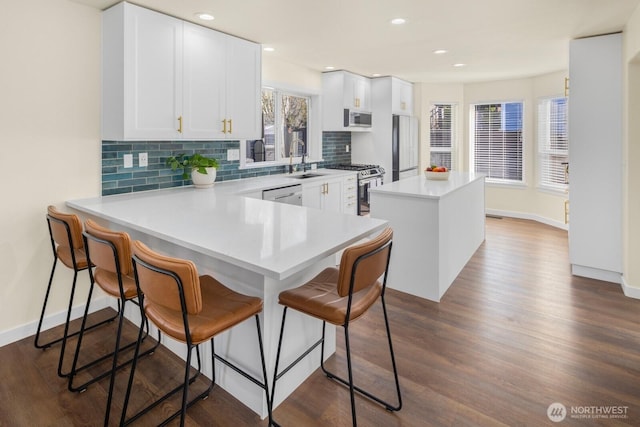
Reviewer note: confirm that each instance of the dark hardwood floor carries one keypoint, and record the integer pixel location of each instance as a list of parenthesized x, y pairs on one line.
[(514, 334)]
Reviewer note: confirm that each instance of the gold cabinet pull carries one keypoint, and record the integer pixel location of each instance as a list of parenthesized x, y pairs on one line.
[(224, 126), (230, 126), (180, 124), (566, 86)]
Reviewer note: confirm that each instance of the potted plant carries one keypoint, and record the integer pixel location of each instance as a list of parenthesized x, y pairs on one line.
[(201, 169)]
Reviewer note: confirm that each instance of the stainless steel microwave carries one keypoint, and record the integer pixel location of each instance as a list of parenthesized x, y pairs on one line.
[(356, 119)]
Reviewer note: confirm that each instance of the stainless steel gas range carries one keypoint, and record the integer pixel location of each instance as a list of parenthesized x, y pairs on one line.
[(368, 176)]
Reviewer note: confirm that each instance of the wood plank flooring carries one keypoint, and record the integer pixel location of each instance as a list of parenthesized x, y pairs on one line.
[(514, 333)]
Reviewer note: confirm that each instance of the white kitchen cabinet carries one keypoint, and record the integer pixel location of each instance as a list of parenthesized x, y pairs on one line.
[(595, 139), (142, 93), (343, 90), (323, 194), (401, 97), (166, 79), (350, 195), (221, 86), (243, 89)]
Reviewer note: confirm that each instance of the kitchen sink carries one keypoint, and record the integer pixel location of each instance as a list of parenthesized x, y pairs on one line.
[(307, 175)]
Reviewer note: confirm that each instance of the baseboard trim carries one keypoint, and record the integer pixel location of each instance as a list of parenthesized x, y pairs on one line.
[(20, 332), (630, 291), (532, 217)]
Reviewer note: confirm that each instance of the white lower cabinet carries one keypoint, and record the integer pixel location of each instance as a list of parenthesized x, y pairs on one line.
[(325, 195), (350, 195), (333, 194)]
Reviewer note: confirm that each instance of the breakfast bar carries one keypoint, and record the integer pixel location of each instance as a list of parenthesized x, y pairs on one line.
[(438, 225), (253, 246)]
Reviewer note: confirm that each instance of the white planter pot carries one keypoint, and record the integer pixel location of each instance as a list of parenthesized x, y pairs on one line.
[(201, 180)]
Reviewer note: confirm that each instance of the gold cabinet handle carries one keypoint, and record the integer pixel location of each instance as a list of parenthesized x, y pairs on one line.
[(180, 124), (566, 86), (230, 126), (224, 126)]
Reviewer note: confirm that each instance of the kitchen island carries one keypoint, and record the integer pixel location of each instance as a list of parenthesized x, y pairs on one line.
[(256, 247), (438, 226)]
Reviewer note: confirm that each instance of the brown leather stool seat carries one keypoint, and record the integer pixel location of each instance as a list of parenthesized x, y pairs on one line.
[(110, 254), (192, 309), (65, 232), (319, 298), (340, 296)]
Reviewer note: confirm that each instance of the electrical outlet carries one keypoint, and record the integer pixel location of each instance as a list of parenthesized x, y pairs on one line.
[(128, 160), (143, 160), (233, 154), (347, 148)]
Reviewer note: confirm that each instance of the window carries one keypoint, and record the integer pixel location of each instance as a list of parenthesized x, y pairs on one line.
[(553, 143), (497, 141), (285, 120), (442, 120)]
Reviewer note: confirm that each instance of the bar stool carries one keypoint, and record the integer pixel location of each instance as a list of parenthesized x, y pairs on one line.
[(65, 231), (110, 253), (192, 309), (340, 296)]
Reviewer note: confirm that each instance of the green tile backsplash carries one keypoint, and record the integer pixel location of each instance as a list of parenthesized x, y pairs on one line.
[(116, 179)]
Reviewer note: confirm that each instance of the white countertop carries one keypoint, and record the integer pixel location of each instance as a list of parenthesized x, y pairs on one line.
[(419, 186), (273, 239)]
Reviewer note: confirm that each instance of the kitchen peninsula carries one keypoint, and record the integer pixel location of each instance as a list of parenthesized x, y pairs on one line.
[(254, 246), (438, 226)]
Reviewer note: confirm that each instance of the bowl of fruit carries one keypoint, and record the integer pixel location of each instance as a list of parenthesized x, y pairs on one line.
[(439, 173)]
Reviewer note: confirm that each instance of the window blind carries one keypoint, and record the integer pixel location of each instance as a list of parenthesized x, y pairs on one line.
[(442, 135), (553, 142), (498, 141)]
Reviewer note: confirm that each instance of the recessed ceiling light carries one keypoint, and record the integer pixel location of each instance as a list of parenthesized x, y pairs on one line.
[(440, 51), (398, 21), (205, 16), (269, 49), (329, 67), (376, 75), (459, 64)]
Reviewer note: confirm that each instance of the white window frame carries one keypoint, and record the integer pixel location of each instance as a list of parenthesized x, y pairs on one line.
[(551, 177), (314, 133), (472, 143), (453, 149)]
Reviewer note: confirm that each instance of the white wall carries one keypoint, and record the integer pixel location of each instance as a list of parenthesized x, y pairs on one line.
[(631, 157), (278, 71), (50, 121)]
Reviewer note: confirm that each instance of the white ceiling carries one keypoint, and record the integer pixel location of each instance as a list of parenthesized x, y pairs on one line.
[(496, 39)]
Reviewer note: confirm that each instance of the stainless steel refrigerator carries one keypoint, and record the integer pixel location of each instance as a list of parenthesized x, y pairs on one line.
[(404, 147)]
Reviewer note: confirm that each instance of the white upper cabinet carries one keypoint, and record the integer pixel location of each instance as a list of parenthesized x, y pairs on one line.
[(204, 82), (401, 97), (357, 92), (343, 90), (141, 92), (244, 89), (166, 79)]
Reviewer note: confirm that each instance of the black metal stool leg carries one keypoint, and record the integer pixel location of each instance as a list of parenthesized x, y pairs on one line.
[(44, 308)]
